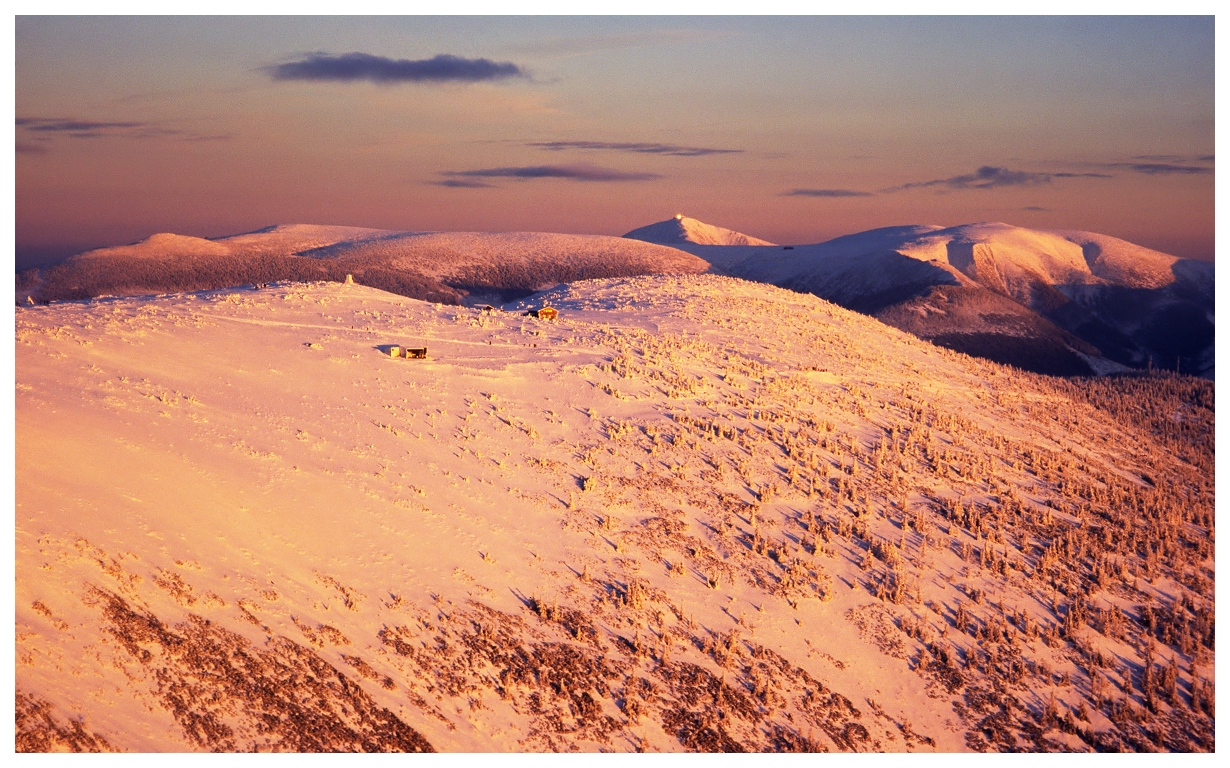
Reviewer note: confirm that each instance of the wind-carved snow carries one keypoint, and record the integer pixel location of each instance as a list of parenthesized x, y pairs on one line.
[(692, 513)]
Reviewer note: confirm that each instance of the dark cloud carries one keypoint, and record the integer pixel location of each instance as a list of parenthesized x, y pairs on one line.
[(351, 67), (647, 148), (1034, 208), (462, 183), (1160, 169), (27, 148), (574, 172), (1204, 159), (1082, 176), (826, 193), (992, 177)]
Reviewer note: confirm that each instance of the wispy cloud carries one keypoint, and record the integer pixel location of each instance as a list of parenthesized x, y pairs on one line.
[(1034, 208), (28, 148), (826, 193), (579, 172), (353, 67), (986, 177), (993, 177), (92, 129), (1160, 169), (45, 129), (1161, 165), (645, 148), (462, 183)]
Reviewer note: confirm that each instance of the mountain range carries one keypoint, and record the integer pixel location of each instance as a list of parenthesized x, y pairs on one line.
[(1061, 302), (1055, 302)]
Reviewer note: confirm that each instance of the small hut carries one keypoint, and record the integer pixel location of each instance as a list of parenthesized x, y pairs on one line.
[(544, 313), (416, 353)]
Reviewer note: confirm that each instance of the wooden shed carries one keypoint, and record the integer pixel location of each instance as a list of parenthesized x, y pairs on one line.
[(545, 313)]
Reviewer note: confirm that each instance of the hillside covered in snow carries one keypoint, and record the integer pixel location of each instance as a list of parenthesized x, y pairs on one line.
[(446, 267), (1063, 302), (692, 513)]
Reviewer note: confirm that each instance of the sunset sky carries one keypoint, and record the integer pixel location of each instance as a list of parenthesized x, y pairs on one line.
[(794, 130)]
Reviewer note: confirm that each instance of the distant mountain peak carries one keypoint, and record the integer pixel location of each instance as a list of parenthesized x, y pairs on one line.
[(682, 229)]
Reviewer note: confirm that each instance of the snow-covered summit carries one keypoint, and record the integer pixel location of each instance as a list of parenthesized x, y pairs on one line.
[(161, 245), (682, 229)]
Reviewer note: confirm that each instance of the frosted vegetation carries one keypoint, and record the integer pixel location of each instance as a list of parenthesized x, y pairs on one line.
[(693, 513)]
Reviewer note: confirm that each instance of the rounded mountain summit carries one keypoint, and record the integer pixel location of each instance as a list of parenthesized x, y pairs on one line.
[(682, 229)]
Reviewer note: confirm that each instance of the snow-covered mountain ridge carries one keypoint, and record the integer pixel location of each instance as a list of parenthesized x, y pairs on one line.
[(449, 267), (1063, 303), (1084, 301)]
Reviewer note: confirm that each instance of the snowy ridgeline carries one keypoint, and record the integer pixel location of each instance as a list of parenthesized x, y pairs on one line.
[(449, 267), (1063, 302), (692, 513)]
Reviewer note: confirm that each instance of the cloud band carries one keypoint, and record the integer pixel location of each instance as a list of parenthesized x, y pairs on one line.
[(352, 67), (573, 172)]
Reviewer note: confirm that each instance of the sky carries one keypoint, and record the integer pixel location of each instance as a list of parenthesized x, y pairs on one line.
[(791, 129)]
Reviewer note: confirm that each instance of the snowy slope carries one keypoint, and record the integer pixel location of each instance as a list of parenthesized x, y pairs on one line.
[(160, 246), (282, 239), (1007, 259), (293, 238), (1123, 263), (683, 229), (693, 513), (524, 260), (1109, 298)]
